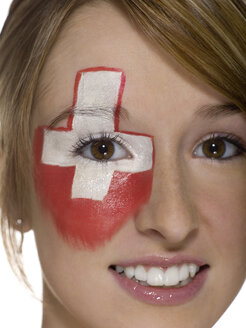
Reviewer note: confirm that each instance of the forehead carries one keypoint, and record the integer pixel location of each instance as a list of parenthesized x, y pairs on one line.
[(102, 35)]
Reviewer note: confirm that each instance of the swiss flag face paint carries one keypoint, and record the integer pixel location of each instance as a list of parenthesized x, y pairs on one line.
[(89, 200)]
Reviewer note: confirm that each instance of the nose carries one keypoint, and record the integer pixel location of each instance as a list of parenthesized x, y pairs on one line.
[(170, 215)]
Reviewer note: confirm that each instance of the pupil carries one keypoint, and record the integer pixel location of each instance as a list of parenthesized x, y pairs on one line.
[(214, 148), (103, 149)]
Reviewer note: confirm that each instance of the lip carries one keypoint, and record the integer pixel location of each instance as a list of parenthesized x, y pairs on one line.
[(159, 295)]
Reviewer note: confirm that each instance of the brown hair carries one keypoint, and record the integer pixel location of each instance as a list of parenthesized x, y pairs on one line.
[(206, 36)]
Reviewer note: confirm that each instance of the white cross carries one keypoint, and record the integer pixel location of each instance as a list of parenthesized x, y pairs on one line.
[(100, 90)]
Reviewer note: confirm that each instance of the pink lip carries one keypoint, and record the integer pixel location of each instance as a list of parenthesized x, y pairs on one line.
[(159, 295)]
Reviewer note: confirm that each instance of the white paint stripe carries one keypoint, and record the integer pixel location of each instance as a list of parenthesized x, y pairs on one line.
[(92, 179), (91, 183), (97, 90)]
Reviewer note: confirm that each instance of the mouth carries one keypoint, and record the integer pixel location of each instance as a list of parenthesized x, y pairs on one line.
[(155, 281), (173, 276)]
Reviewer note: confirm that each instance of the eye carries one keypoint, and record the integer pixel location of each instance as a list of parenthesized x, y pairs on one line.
[(103, 148), (220, 147)]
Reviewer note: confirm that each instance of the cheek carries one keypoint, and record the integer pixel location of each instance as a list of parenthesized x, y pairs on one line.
[(229, 228), (223, 207), (83, 221)]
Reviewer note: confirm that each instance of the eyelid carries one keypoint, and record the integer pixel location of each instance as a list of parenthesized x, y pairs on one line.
[(236, 140), (228, 137), (112, 136)]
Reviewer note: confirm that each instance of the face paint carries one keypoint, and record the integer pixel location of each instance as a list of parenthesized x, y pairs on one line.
[(89, 200)]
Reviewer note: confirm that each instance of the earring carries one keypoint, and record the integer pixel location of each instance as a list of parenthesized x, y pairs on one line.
[(19, 222), (19, 226)]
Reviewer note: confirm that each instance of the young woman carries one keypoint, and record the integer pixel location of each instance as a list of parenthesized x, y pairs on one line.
[(123, 134)]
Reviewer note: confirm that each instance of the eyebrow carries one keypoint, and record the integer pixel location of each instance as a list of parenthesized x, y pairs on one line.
[(206, 111), (218, 111), (98, 112)]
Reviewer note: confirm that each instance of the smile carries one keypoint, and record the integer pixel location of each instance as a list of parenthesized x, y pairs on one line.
[(162, 282), (176, 276)]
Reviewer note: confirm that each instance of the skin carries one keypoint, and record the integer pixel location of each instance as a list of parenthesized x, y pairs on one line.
[(197, 206)]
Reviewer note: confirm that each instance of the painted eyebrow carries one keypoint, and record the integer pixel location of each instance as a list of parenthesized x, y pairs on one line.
[(98, 112), (218, 111)]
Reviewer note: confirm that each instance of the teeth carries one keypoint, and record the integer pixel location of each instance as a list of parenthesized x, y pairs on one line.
[(143, 283), (173, 276), (193, 268), (155, 277), (129, 272), (185, 282), (119, 269), (184, 272), (140, 273)]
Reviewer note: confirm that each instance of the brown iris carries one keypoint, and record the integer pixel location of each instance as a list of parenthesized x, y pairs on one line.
[(102, 149), (214, 148)]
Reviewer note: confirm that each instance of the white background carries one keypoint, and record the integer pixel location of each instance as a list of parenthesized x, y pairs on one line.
[(19, 309)]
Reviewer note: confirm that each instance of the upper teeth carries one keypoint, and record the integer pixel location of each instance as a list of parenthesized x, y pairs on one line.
[(156, 276)]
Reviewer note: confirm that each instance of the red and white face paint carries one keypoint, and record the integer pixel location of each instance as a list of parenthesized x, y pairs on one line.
[(88, 199)]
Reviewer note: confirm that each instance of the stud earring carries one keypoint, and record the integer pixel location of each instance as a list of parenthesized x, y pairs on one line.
[(19, 226), (19, 222)]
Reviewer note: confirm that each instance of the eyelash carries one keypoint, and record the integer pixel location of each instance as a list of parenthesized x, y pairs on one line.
[(236, 141), (83, 142)]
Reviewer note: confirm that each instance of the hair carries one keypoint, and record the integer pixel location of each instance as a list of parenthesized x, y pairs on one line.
[(207, 37)]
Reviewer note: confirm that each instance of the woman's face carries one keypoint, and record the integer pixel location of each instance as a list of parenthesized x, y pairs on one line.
[(155, 189)]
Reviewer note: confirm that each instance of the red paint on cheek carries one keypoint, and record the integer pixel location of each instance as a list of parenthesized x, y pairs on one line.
[(85, 221)]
